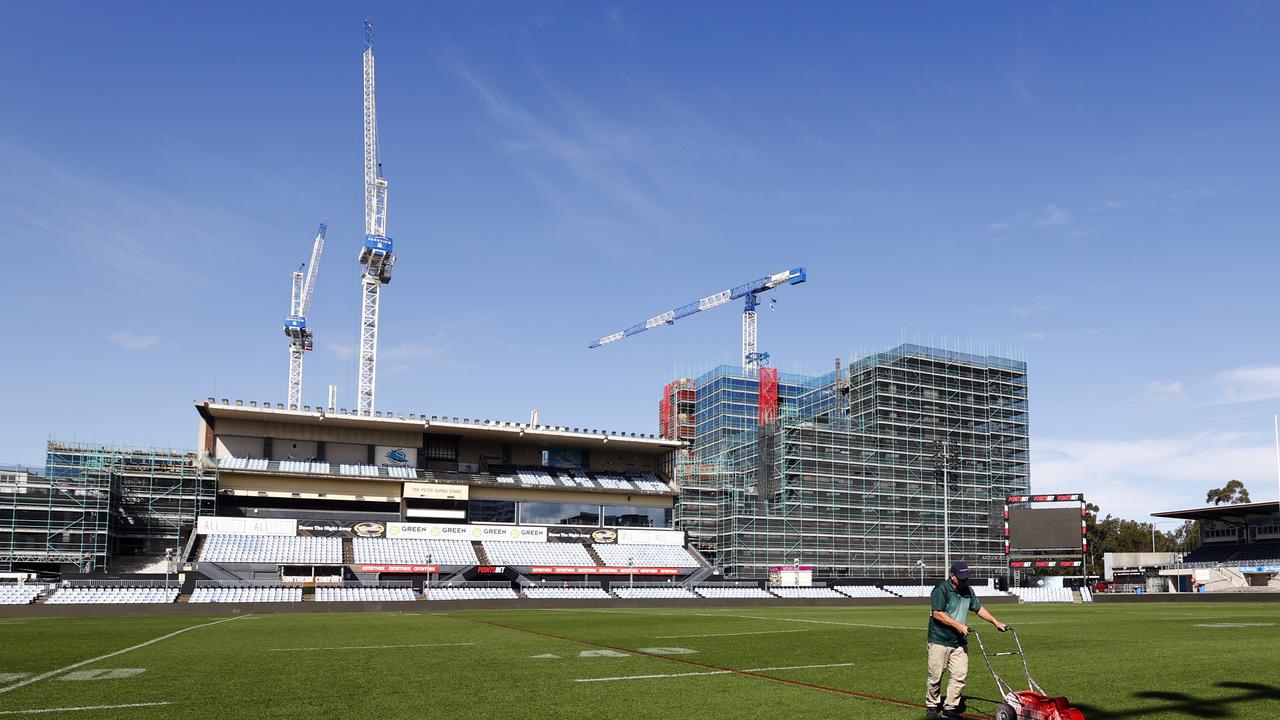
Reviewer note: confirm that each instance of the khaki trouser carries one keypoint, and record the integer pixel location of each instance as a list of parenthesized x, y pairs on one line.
[(953, 659)]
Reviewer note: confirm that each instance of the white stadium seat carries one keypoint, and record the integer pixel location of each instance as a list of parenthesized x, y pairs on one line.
[(804, 592), (18, 594), (862, 591), (414, 551), (671, 592), (364, 594), (550, 592), (536, 553), (655, 555), (246, 595), (731, 592), (272, 549), (112, 595), (470, 593)]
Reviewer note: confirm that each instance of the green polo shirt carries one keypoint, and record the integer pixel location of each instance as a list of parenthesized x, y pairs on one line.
[(955, 603)]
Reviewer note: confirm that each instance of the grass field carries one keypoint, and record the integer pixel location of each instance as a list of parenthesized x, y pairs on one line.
[(1117, 661)]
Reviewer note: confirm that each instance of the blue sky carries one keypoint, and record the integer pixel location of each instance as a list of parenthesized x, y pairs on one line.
[(1089, 185)]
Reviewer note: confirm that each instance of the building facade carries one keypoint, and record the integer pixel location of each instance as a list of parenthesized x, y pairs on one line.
[(843, 471)]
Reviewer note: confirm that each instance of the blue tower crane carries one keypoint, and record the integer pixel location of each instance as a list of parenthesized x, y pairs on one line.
[(749, 292)]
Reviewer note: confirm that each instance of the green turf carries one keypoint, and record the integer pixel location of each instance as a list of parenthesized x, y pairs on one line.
[(1117, 661)]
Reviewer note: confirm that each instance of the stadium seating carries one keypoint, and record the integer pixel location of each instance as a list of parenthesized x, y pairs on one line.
[(910, 590), (987, 591), (1086, 595), (1257, 552), (536, 553), (364, 594), (1212, 553), (655, 555), (862, 591), (731, 592), (414, 550), (550, 592), (303, 466), (668, 592), (402, 472), (1042, 595), (112, 595), (358, 470), (246, 595), (274, 549), (804, 592), (470, 593), (18, 594), (235, 463)]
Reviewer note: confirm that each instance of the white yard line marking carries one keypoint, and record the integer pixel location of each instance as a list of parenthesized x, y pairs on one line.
[(131, 648), (709, 672), (371, 647), (754, 632), (77, 709), (816, 622)]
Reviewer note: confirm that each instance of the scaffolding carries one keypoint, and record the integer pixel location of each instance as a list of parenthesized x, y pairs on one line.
[(94, 503), (847, 477)]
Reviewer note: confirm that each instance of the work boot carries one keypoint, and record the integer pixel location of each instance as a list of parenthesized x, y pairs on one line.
[(951, 714), (932, 714)]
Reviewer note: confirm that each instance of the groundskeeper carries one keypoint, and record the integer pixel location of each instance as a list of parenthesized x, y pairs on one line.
[(950, 603)]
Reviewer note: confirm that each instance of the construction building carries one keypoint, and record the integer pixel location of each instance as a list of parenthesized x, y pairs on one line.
[(843, 471), (100, 507)]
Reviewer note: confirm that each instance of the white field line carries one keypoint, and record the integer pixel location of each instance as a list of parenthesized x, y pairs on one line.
[(77, 709), (371, 647), (816, 622), (131, 648), (709, 672), (754, 632)]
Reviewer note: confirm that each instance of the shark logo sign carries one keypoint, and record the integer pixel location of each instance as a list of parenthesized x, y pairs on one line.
[(389, 456)]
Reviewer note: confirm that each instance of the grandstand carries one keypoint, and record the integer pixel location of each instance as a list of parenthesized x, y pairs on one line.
[(1239, 549)]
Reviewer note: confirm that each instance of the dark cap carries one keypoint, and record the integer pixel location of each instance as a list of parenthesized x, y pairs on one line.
[(960, 569)]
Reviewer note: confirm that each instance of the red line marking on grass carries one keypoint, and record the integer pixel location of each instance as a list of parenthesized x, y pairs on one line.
[(711, 666)]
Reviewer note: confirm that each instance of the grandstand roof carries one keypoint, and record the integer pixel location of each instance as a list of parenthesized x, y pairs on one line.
[(501, 430), (1241, 512)]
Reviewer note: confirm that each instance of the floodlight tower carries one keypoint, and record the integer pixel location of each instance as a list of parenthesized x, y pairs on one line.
[(376, 256), (295, 323)]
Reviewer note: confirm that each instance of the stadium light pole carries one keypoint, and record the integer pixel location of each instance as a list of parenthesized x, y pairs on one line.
[(631, 571), (430, 575), (942, 459)]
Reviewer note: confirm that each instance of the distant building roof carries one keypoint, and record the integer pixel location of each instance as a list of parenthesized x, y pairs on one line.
[(1241, 512), (505, 431)]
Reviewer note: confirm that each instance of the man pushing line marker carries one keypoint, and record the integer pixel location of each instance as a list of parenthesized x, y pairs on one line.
[(948, 647)]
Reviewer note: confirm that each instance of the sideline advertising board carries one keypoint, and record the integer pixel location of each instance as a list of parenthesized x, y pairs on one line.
[(606, 570), (211, 525), (599, 536), (407, 569), (341, 528), (646, 536), (442, 531)]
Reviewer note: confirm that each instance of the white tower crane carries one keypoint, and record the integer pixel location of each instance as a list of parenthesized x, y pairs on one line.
[(295, 323), (376, 254)]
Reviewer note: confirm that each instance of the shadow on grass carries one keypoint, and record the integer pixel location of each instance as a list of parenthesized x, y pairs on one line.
[(1167, 702)]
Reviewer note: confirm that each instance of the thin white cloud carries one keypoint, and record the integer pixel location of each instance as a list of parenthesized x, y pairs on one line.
[(1114, 204), (1054, 217), (998, 226), (134, 343), (1133, 478), (1157, 390), (1248, 384), (578, 139)]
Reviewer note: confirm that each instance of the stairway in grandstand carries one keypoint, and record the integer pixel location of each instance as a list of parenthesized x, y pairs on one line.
[(595, 556), (348, 552), (481, 555)]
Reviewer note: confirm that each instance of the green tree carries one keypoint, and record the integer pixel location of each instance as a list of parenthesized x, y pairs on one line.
[(1233, 493)]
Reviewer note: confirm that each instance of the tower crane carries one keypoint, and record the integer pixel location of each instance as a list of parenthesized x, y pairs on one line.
[(376, 256), (295, 323), (749, 292)]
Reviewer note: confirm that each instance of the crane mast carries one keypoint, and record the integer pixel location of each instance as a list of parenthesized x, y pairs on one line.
[(301, 341), (750, 293), (376, 256)]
